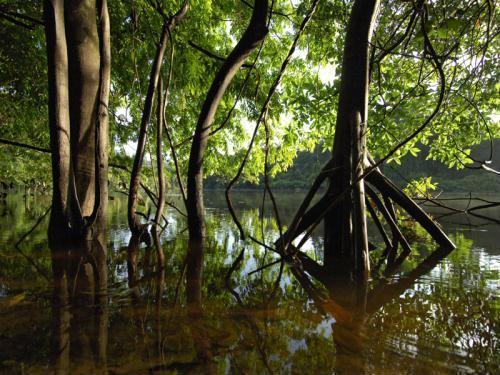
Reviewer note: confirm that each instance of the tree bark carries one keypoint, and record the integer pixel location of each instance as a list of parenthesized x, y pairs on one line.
[(345, 228), (78, 63), (253, 35), (84, 76)]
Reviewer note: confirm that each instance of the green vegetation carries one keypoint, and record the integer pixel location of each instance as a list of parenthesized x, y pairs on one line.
[(301, 115)]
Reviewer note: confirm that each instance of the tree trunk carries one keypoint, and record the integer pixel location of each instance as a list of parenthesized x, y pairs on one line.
[(253, 35), (135, 178), (159, 155), (83, 72), (346, 245), (102, 162), (78, 54), (57, 61)]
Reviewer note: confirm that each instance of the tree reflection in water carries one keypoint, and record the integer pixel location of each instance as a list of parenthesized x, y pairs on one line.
[(80, 309), (170, 309)]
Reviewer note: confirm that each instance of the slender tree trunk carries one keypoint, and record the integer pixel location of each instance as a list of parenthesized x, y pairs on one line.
[(135, 178), (102, 162), (346, 245), (253, 35), (57, 60), (159, 154)]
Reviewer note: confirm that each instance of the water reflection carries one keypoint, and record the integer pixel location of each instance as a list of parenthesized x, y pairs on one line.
[(351, 303), (170, 309), (79, 309)]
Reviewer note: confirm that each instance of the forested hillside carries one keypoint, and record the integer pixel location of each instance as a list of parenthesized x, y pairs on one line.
[(456, 178)]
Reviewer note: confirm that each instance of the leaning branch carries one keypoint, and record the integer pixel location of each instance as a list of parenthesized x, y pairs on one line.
[(25, 145), (213, 55), (252, 37)]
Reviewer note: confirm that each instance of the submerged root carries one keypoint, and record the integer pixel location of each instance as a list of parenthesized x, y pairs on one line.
[(382, 194)]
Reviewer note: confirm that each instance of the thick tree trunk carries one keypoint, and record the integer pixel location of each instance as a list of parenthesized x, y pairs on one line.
[(79, 79), (84, 74), (346, 245), (253, 35)]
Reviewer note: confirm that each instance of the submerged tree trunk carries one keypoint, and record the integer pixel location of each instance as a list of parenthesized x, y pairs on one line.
[(78, 52), (346, 244), (253, 35), (350, 169)]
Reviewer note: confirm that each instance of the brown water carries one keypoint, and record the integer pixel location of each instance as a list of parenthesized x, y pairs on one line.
[(434, 313)]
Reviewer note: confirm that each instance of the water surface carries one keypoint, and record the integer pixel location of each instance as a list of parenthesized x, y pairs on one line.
[(435, 312)]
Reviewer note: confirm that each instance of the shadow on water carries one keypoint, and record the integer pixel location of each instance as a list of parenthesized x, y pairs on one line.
[(217, 307)]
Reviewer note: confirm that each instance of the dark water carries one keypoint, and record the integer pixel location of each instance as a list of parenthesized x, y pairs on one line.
[(435, 313)]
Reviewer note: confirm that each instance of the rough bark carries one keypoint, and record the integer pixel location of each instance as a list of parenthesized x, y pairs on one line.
[(253, 35), (135, 178), (345, 229)]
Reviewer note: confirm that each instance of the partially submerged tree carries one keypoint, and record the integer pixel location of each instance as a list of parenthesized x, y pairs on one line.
[(408, 66), (253, 35), (352, 170), (78, 56), (169, 22)]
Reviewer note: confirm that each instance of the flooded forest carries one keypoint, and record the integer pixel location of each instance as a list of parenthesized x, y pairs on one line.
[(233, 187)]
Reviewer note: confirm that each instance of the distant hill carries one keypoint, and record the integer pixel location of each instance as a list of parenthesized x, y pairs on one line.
[(449, 179), (308, 164)]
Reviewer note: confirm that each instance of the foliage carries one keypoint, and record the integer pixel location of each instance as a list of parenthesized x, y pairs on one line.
[(423, 187), (405, 84)]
